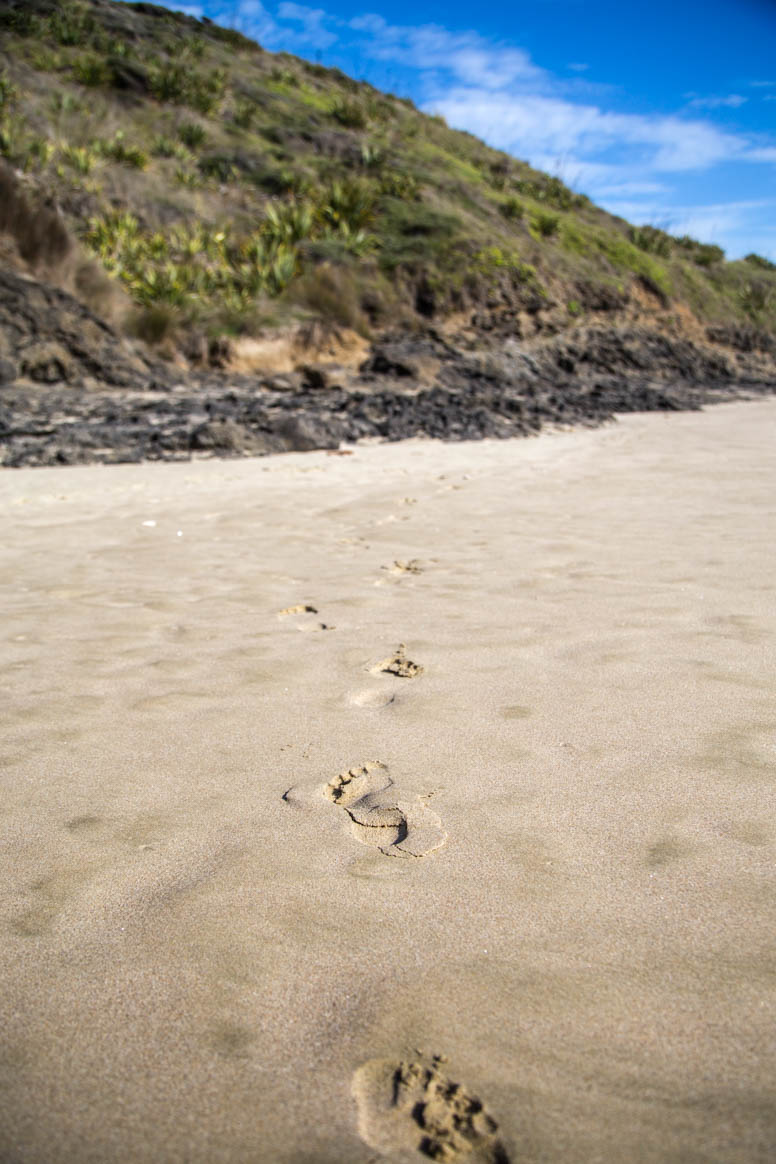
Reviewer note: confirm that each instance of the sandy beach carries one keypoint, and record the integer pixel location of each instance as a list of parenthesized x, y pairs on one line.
[(332, 782)]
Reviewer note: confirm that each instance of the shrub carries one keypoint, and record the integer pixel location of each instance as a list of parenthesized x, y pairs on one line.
[(184, 263), (155, 323), (288, 222), (169, 83), (331, 291), (707, 255), (206, 90), (350, 112), (47, 60), (512, 209), (372, 156), (92, 70), (761, 262), (232, 37), (704, 254), (193, 46), (9, 140), (179, 84), (64, 102), (82, 159), (651, 239), (282, 77), (349, 204), (219, 168), (164, 147), (187, 178), (546, 224), (21, 21), (755, 296), (119, 151), (8, 92), (549, 189), (400, 184), (72, 25), (243, 114), (192, 135)]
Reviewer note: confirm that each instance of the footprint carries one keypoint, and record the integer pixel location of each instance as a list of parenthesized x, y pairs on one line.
[(379, 818), (398, 664), (412, 566), (371, 697), (306, 624), (413, 1107)]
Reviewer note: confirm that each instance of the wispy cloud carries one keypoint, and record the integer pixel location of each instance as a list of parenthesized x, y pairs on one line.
[(532, 125), (466, 56), (312, 22), (732, 101)]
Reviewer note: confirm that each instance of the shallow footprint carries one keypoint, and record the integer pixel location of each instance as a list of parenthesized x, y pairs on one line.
[(409, 1107), (305, 622), (397, 828), (412, 566), (371, 697), (398, 664)]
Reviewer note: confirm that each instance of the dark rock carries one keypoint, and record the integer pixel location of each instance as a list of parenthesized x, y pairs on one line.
[(220, 435), (425, 300), (314, 376), (48, 363), (742, 338), (8, 371), (302, 433), (53, 337)]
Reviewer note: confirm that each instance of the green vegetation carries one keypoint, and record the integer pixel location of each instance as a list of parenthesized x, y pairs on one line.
[(546, 224), (208, 175), (758, 261)]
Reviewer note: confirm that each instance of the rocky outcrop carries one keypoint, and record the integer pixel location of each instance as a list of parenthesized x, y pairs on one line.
[(73, 391)]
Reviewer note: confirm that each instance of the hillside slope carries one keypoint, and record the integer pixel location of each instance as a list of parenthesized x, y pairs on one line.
[(262, 214)]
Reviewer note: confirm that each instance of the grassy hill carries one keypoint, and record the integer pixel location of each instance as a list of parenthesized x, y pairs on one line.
[(231, 189)]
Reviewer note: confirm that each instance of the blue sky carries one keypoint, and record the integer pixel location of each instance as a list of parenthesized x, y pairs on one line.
[(663, 112)]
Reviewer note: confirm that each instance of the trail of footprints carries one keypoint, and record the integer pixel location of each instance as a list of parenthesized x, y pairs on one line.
[(403, 1106)]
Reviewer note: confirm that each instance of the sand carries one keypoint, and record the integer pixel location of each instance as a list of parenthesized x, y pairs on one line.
[(412, 804)]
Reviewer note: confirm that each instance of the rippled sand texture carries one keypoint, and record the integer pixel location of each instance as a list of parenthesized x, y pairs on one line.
[(414, 804)]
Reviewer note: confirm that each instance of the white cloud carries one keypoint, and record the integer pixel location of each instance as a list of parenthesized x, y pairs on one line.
[(312, 21), (467, 56), (251, 18), (733, 101), (536, 125)]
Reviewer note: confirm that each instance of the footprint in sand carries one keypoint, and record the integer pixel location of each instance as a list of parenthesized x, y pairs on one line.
[(397, 664), (408, 1107), (305, 616), (398, 570), (371, 697), (379, 818)]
